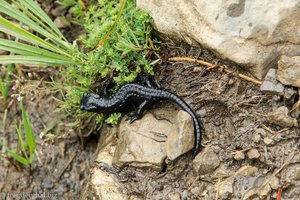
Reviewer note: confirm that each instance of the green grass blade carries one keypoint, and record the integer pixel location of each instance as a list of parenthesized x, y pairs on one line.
[(30, 15), (23, 146), (17, 157), (15, 30), (31, 158), (33, 60), (29, 135), (27, 50), (35, 9), (16, 14)]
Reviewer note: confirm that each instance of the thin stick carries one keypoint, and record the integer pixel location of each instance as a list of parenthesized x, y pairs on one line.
[(178, 59), (82, 4), (210, 66), (65, 167)]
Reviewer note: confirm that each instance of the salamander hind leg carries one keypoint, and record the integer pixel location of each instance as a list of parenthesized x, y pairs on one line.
[(138, 114)]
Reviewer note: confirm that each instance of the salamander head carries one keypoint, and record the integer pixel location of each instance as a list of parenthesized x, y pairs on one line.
[(88, 102)]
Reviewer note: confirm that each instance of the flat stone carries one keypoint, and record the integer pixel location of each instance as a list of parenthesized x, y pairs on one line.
[(142, 143), (281, 117), (206, 161), (289, 70), (271, 84), (181, 141), (147, 142)]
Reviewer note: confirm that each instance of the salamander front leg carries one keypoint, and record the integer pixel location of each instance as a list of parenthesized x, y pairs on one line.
[(103, 92), (140, 111), (148, 80)]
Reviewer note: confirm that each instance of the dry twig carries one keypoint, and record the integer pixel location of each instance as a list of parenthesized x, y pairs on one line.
[(66, 166), (210, 66)]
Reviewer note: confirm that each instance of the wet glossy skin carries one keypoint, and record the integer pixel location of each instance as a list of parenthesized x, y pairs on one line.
[(130, 94)]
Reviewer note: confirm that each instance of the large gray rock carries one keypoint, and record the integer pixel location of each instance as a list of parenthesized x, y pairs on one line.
[(250, 32)]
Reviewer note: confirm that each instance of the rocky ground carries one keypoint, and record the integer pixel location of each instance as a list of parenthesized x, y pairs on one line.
[(250, 140)]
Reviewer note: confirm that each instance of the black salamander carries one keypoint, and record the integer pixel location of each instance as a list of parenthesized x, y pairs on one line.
[(129, 94)]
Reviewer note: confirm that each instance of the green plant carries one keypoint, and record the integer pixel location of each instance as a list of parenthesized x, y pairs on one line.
[(123, 50), (116, 46), (4, 85), (27, 147), (30, 48)]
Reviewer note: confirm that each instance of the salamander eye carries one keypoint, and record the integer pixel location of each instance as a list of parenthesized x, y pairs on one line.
[(82, 107)]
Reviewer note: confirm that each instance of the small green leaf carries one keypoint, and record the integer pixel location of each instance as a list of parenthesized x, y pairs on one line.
[(17, 157), (30, 139), (113, 118), (23, 146)]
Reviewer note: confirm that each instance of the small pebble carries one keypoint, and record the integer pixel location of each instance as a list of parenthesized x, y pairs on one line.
[(253, 154), (66, 175), (256, 137), (239, 155), (268, 141), (195, 191), (197, 69), (174, 196), (48, 183), (202, 112)]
